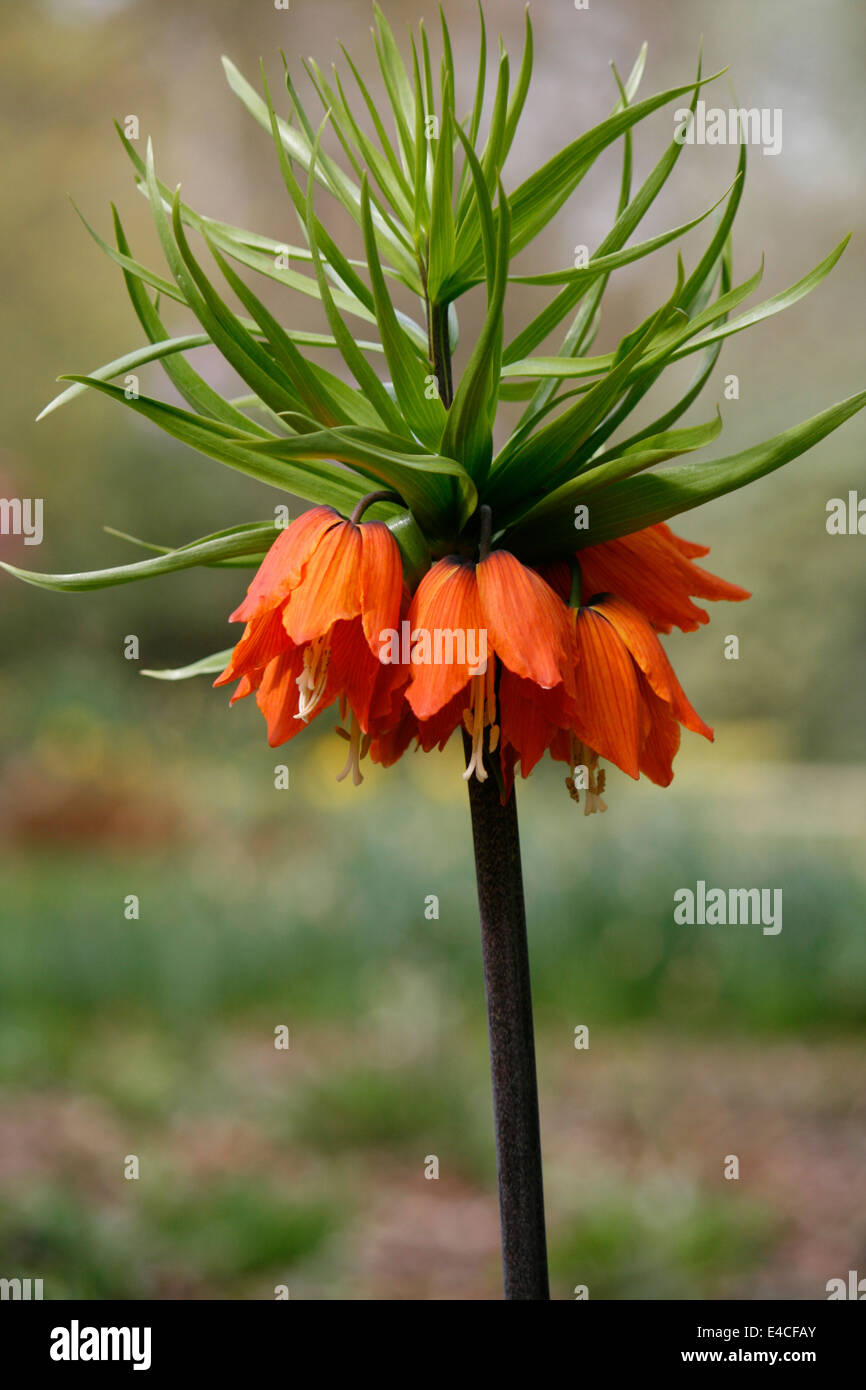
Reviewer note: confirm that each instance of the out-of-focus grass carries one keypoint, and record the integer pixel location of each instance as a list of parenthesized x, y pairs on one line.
[(666, 1242), (400, 1111), (258, 908), (237, 1238), (315, 927)]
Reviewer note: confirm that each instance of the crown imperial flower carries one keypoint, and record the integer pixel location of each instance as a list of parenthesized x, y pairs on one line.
[(314, 615), (471, 534)]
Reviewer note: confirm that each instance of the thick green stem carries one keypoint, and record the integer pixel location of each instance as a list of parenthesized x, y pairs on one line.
[(440, 352), (505, 956)]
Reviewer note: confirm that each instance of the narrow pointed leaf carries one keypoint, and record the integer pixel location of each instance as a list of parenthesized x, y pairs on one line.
[(353, 357), (207, 666), (316, 481), (426, 417), (469, 431), (251, 541), (649, 498), (420, 478), (617, 465), (442, 230)]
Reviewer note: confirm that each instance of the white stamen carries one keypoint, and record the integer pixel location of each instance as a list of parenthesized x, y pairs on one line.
[(356, 753), (583, 756), (314, 677), (479, 717)]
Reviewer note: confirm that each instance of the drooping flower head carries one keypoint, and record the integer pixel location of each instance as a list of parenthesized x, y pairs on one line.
[(315, 612), (525, 661), (628, 704), (526, 639)]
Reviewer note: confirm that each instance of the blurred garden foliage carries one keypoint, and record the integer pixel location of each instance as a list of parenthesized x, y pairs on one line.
[(306, 907)]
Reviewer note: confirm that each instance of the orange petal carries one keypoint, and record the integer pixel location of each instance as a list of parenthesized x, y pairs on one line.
[(606, 693), (650, 656), (561, 746), (528, 624), (264, 638), (529, 718), (277, 697), (381, 582), (386, 748), (389, 697), (690, 549), (661, 738), (649, 570), (435, 732), (507, 764), (246, 686), (446, 601), (373, 690), (352, 669), (557, 573), (284, 563), (329, 590)]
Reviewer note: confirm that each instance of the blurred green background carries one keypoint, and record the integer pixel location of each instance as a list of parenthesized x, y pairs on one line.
[(306, 907)]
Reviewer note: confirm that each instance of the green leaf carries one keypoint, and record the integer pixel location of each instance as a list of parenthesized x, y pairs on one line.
[(548, 456), (395, 186), (442, 229), (236, 344), (670, 348), (310, 386), (558, 368), (315, 481), (542, 195), (294, 143), (192, 387), (623, 463), (129, 265), (397, 84), (625, 225), (628, 150), (419, 218), (372, 108), (664, 422), (353, 357), (418, 477), (249, 540), (469, 430), (299, 146), (486, 220), (672, 345), (518, 99), (414, 550), (265, 263), (352, 294), (635, 77), (426, 418), (207, 666), (246, 354), (449, 74), (493, 154), (694, 299), (477, 108), (129, 362), (643, 501), (428, 70), (603, 265), (775, 305), (250, 249), (241, 562)]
